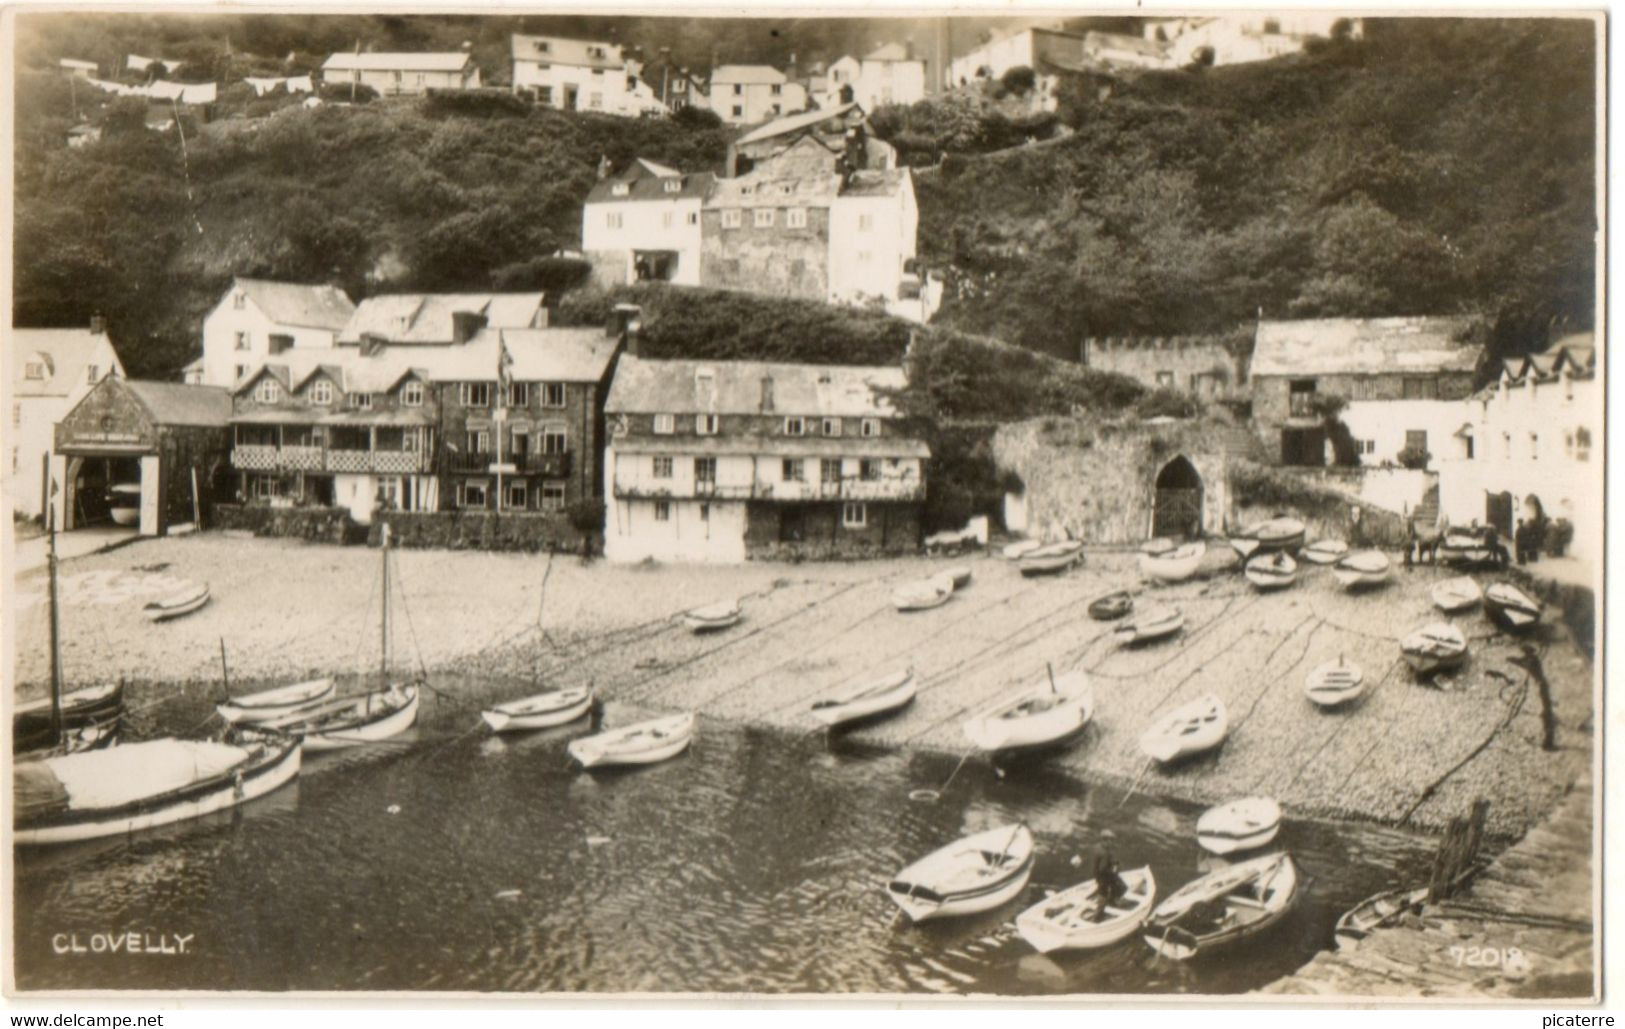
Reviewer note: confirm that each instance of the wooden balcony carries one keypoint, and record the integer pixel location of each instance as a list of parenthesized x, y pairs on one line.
[(895, 489)]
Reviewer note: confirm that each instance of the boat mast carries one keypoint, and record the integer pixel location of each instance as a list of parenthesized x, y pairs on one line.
[(56, 629), (383, 655)]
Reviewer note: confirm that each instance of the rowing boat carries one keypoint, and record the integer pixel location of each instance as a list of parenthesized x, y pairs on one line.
[(90, 718), (923, 594), (1363, 569), (973, 874), (957, 576), (1271, 571), (1052, 557), (1511, 608), (181, 602), (1324, 552), (252, 708), (866, 700), (1335, 683), (1223, 906), (1045, 714), (1151, 624), (540, 711), (352, 721), (1186, 730), (714, 617), (1245, 824), (1174, 565), (644, 743), (1456, 594), (1112, 606), (1434, 648), (1376, 912), (1078, 918), (1464, 547), (1281, 533), (1020, 548)]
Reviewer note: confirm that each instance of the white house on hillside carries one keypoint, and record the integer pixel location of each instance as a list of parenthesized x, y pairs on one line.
[(889, 75), (580, 75), (257, 319), (1045, 51), (402, 74), (644, 224), (744, 94), (1238, 39), (50, 371)]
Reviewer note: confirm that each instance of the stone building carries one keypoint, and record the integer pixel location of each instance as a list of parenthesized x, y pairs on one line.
[(847, 139), (1207, 367), (727, 460)]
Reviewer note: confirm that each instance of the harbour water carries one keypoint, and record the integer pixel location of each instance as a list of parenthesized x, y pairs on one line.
[(754, 862)]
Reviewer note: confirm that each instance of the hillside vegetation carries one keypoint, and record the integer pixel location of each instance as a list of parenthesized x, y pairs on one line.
[(1437, 167)]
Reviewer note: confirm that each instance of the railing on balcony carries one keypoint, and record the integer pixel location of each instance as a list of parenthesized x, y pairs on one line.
[(892, 488), (269, 458)]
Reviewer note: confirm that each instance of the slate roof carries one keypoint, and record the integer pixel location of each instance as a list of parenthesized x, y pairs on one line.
[(747, 74), (453, 61), (293, 303), (876, 183), (1364, 346), (757, 189), (171, 403), (796, 122), (651, 187), (427, 317), (644, 386), (565, 51), (66, 352)]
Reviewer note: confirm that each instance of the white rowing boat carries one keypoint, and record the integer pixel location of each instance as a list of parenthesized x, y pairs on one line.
[(957, 576), (540, 711), (1511, 608), (1376, 912), (644, 743), (352, 721), (1173, 565), (1324, 552), (1052, 557), (1045, 714), (714, 617), (867, 700), (1224, 906), (1271, 571), (1335, 683), (1281, 533), (1187, 730), (1020, 548), (976, 873), (1362, 569), (252, 708), (1434, 648), (1079, 918), (1245, 824), (1456, 594), (182, 602), (922, 595), (1153, 623)]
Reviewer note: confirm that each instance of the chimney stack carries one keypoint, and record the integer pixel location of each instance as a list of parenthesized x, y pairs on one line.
[(603, 167), (626, 324), (98, 325)]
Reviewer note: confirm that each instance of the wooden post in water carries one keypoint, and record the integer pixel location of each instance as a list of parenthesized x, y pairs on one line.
[(1457, 852)]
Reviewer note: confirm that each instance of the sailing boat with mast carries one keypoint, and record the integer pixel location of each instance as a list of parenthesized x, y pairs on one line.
[(364, 718)]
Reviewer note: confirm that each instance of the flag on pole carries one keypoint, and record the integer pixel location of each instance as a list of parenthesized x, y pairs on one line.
[(504, 370)]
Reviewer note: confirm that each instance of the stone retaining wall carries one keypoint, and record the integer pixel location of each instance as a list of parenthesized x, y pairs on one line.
[(318, 524), (479, 530)]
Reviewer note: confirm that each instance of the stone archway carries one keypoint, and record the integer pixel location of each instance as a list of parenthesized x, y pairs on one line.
[(1177, 509)]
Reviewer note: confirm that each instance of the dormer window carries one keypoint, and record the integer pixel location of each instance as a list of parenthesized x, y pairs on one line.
[(620, 189), (266, 392), (673, 185), (412, 394), (321, 392)]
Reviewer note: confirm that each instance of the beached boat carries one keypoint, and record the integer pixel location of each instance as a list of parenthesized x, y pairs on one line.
[(1375, 913), (1434, 648), (1020, 549), (1363, 569), (1153, 623), (1511, 608), (251, 708), (1281, 533), (1223, 906), (714, 617), (1245, 824), (1456, 594), (1112, 606), (141, 785), (957, 576), (1271, 571), (922, 595), (124, 503), (182, 602), (1174, 565), (1045, 714), (1079, 918), (1464, 547), (644, 743), (973, 874), (1051, 557), (1324, 552), (867, 700), (1187, 730), (1335, 683), (1158, 546), (90, 718), (540, 711)]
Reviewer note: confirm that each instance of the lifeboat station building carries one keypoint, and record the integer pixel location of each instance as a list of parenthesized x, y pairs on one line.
[(147, 455)]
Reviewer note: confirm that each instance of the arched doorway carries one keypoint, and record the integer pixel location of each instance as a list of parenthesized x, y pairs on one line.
[(1177, 510)]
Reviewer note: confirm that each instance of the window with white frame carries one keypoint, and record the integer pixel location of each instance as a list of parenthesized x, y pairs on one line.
[(471, 494), (705, 469), (412, 394), (662, 467), (267, 391), (693, 217), (705, 424), (553, 394), (796, 217), (516, 495), (474, 394), (854, 515), (794, 470), (554, 440), (831, 426), (672, 185), (668, 219), (518, 394), (36, 370), (662, 510), (321, 392), (613, 219), (665, 424), (869, 427), (239, 300), (552, 496), (241, 341), (866, 222), (620, 189), (829, 469), (795, 425), (358, 401), (733, 218), (762, 217)]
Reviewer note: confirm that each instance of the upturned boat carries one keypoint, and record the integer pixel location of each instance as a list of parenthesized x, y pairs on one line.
[(1434, 648), (1456, 594), (714, 617), (181, 602), (1282, 533), (267, 705), (1223, 907), (1045, 714), (922, 595), (1112, 606), (1272, 570), (1051, 558), (1376, 912), (1335, 683), (644, 743), (1324, 552), (866, 700), (1153, 623), (1245, 824), (1187, 730), (141, 785), (1174, 565), (1080, 918), (973, 874), (540, 711), (1511, 608), (1363, 569)]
